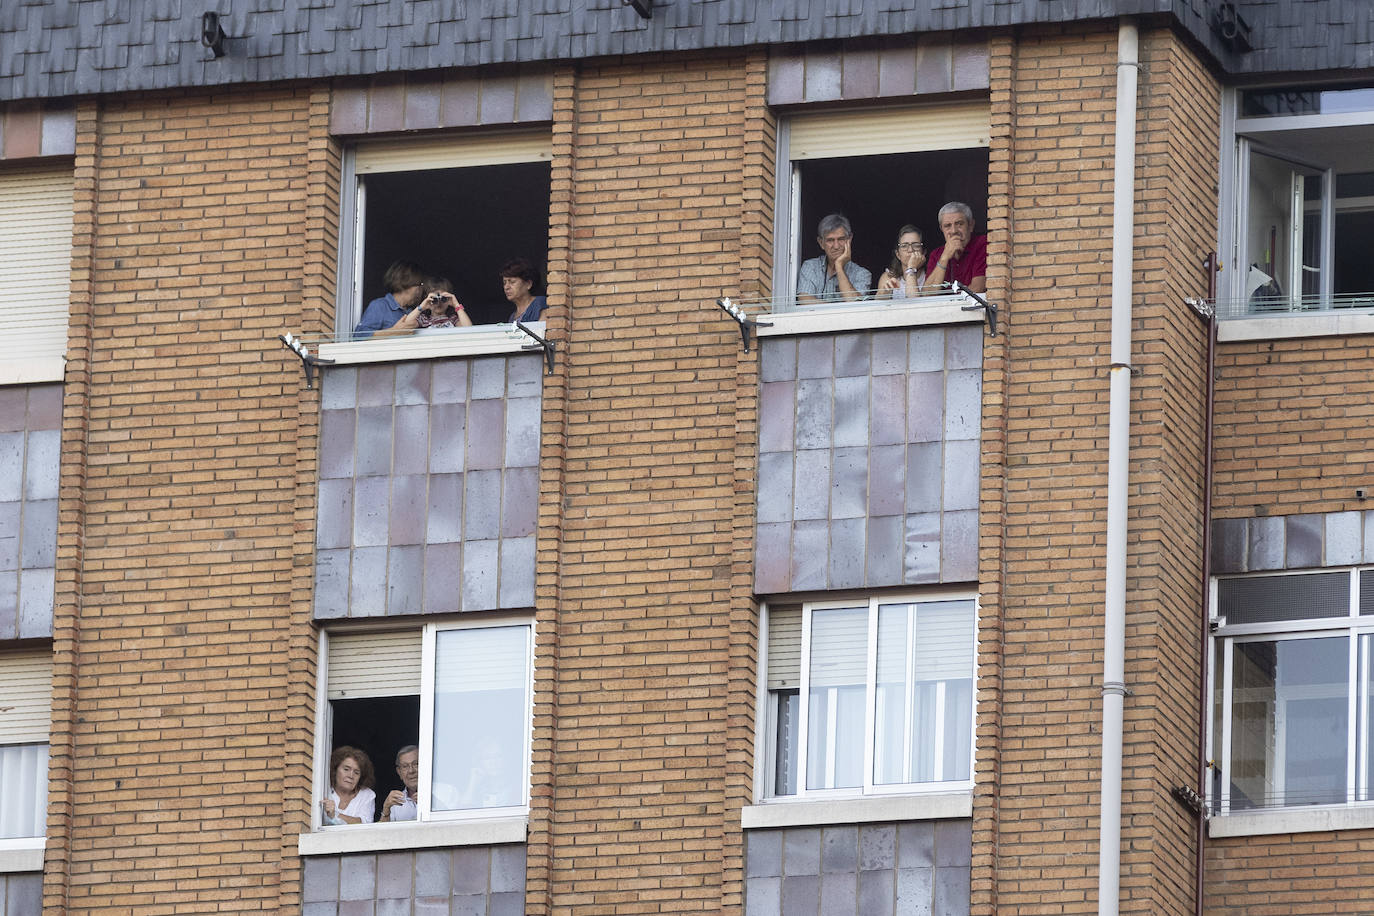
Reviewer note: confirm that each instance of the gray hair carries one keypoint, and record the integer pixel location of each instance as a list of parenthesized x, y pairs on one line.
[(955, 206), (832, 222), (406, 750)]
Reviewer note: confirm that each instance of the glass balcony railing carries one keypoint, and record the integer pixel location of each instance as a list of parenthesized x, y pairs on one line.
[(1279, 306)]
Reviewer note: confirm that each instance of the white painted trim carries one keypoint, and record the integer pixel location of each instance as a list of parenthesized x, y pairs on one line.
[(942, 806), (1270, 123), (1318, 324), (32, 370), (1292, 820), (23, 854), (480, 340), (330, 841), (858, 317)]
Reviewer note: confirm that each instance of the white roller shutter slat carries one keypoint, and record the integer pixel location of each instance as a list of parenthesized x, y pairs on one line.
[(374, 664), (944, 641), (35, 273), (873, 132), (481, 658), (25, 697), (839, 647), (784, 647), (453, 152)]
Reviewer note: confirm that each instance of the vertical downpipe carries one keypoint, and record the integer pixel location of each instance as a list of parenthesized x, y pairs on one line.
[(1118, 468)]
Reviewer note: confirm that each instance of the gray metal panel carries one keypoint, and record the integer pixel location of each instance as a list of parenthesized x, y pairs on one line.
[(77, 47)]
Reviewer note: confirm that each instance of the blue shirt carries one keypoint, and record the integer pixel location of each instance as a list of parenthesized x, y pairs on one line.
[(379, 315), (812, 280), (533, 311)]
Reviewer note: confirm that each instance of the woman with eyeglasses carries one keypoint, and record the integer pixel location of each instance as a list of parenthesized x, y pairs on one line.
[(906, 274)]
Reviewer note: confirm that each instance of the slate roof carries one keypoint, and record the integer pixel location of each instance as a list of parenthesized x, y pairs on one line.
[(60, 48)]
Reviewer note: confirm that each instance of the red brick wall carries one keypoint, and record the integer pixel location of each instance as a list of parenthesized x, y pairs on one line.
[(174, 614), (1292, 426), (649, 573), (1057, 88)]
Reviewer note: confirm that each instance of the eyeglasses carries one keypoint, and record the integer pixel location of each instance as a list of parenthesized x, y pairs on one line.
[(911, 246)]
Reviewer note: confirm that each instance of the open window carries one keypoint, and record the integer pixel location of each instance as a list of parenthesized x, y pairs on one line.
[(1304, 201), (459, 207), (459, 692), (867, 697), (881, 168)]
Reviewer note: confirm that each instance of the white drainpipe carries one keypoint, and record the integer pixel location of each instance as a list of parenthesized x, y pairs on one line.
[(1118, 467)]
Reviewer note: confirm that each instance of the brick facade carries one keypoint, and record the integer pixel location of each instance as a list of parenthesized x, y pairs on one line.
[(186, 611), (1058, 91)]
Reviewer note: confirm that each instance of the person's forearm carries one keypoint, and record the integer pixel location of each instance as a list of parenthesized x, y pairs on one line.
[(846, 289)]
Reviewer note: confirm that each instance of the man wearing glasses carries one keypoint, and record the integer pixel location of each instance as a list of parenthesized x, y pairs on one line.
[(402, 805), (833, 276)]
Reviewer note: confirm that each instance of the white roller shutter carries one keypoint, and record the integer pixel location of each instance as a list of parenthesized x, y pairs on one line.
[(784, 647), (35, 273), (453, 152), (872, 132), (25, 697), (839, 647), (374, 664), (471, 659)]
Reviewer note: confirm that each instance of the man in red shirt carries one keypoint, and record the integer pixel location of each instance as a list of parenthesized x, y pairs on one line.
[(963, 256)]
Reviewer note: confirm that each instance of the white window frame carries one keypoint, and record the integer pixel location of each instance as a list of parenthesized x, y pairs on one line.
[(480, 826), (869, 802), (391, 155), (1240, 136), (915, 128), (1352, 813), (26, 683)]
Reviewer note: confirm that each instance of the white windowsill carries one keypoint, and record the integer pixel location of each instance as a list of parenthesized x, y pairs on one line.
[(1292, 820), (32, 370), (24, 854), (873, 808), (1311, 324), (480, 340), (866, 314), (490, 831)]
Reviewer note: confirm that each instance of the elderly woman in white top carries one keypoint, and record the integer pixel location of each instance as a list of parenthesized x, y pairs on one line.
[(351, 799)]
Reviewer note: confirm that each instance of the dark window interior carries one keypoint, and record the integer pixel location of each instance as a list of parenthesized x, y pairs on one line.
[(462, 224), (880, 194), (380, 726)]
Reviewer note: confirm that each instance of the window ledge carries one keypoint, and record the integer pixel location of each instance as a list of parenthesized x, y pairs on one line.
[(1319, 324), (861, 315), (32, 370), (475, 341), (23, 854), (1292, 820), (874, 808), (490, 831)]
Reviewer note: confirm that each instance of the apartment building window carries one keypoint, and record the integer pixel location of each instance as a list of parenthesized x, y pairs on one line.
[(1292, 682), (882, 168), (36, 208), (25, 713), (868, 697), (1303, 189), (459, 206), (458, 690)]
